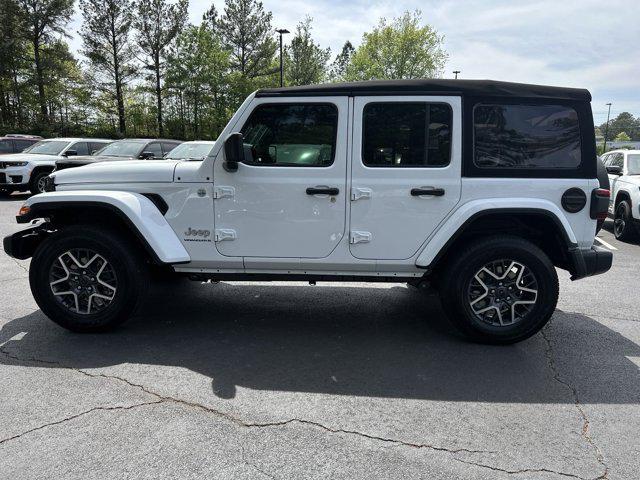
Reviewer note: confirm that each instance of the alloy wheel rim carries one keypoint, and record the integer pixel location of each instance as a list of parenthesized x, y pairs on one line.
[(619, 223), (83, 281), (502, 292), (42, 182)]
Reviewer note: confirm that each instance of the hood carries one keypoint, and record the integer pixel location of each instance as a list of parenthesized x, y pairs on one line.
[(122, 171), (29, 157), (77, 160)]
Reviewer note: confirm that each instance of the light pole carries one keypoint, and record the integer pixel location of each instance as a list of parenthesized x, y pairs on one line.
[(456, 72), (281, 31), (606, 129)]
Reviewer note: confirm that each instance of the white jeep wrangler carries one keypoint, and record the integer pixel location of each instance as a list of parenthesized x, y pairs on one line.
[(479, 188)]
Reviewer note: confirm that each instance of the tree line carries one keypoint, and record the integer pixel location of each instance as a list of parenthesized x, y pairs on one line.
[(147, 72), (624, 127)]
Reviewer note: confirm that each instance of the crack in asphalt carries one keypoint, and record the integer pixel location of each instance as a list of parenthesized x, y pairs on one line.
[(522, 471), (77, 415), (283, 423), (254, 466), (576, 401), (19, 264)]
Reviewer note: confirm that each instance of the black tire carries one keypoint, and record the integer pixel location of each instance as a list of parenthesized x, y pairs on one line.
[(35, 184), (456, 290), (623, 227), (124, 259)]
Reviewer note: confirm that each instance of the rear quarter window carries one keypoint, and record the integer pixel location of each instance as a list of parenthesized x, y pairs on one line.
[(527, 137)]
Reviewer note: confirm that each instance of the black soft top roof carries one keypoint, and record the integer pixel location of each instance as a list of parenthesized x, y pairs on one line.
[(473, 88)]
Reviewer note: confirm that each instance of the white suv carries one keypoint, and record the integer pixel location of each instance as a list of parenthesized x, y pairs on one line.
[(477, 188), (28, 170), (623, 168)]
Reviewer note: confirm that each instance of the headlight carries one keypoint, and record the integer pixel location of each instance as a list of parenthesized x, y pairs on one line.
[(16, 164)]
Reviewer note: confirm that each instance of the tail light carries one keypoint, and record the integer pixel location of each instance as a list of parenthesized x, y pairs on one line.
[(599, 203)]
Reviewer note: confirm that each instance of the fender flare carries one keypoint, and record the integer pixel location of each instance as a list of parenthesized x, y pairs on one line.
[(454, 225), (139, 213)]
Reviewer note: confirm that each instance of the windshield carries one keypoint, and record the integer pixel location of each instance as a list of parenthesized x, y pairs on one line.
[(190, 151), (633, 163), (121, 149), (47, 148)]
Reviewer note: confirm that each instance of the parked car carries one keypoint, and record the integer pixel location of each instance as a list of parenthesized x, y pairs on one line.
[(623, 168), (478, 188), (194, 150), (128, 149), (16, 143), (28, 170)]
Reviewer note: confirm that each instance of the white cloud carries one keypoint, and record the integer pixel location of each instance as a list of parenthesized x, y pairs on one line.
[(582, 43)]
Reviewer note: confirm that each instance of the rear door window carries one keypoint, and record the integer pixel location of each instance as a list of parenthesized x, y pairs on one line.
[(406, 134), (22, 144), (526, 137), (167, 147)]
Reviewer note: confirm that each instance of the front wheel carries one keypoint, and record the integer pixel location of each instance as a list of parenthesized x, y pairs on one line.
[(500, 290), (38, 182), (623, 228), (87, 279)]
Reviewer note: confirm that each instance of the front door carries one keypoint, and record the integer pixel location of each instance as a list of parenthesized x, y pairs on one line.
[(288, 198), (406, 163)]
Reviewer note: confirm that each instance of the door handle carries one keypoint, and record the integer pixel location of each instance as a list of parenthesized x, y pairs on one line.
[(433, 191), (322, 190)]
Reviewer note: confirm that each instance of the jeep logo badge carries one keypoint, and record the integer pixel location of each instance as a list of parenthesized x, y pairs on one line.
[(197, 233)]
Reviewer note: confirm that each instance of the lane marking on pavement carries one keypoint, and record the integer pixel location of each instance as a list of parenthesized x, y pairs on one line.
[(608, 245)]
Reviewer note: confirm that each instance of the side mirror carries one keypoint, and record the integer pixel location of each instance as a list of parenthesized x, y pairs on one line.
[(233, 152), (146, 155), (70, 153), (614, 169)]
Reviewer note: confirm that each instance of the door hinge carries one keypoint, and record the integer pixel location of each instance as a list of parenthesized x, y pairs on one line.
[(222, 234), (359, 237), (222, 192), (358, 192)]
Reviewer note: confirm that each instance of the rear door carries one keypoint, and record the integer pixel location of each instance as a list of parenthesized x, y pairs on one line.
[(406, 163)]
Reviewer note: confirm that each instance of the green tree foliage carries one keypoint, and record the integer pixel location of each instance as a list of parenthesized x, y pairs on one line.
[(13, 55), (196, 80), (247, 33), (157, 23), (400, 49), (622, 137), (624, 122), (41, 20), (339, 66), (105, 37), (305, 61)]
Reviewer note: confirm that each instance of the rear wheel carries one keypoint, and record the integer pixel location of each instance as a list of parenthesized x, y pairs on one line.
[(87, 279), (623, 227), (500, 290)]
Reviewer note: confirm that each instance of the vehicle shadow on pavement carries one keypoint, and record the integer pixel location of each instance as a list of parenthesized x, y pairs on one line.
[(342, 340)]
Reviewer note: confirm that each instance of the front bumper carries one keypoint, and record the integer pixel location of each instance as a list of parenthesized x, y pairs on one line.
[(15, 178), (588, 262)]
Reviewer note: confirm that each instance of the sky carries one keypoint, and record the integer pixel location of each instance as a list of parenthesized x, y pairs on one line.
[(577, 43)]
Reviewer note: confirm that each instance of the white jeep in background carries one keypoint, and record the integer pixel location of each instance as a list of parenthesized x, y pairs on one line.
[(478, 188), (20, 172), (623, 168)]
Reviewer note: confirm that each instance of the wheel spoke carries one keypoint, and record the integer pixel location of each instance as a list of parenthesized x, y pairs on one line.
[(502, 292), (83, 281)]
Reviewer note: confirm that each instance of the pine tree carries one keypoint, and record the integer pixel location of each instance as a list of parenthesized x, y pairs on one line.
[(339, 66), (157, 23), (247, 33), (105, 36), (305, 60), (42, 19)]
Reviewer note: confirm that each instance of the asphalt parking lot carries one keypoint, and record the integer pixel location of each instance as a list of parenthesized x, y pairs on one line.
[(328, 381)]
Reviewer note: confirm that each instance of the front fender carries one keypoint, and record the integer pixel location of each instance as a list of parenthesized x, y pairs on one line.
[(135, 209), (469, 211)]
